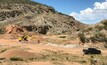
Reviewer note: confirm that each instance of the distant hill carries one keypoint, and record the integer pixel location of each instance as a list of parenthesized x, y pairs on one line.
[(37, 17)]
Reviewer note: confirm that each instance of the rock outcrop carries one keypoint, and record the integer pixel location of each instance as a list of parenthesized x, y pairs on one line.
[(36, 17), (14, 29)]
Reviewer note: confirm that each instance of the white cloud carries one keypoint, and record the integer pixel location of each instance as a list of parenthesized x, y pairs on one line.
[(92, 15)]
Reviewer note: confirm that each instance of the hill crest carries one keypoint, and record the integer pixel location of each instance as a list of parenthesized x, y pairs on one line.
[(36, 17)]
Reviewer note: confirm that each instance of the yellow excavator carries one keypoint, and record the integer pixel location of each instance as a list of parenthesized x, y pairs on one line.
[(23, 38), (26, 38)]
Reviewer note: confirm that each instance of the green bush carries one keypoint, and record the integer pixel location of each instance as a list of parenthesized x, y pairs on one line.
[(2, 31), (16, 59), (100, 27), (98, 37), (62, 37), (82, 37)]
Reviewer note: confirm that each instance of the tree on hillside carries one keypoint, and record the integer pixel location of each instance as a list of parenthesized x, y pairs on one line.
[(82, 37)]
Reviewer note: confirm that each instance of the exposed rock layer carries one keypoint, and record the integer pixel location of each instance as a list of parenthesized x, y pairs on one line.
[(37, 17)]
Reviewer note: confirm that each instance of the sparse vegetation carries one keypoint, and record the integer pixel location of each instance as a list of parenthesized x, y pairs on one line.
[(83, 61), (16, 1), (82, 37), (58, 63), (105, 45), (90, 28), (98, 37), (60, 57), (97, 60), (100, 27), (62, 37), (44, 19), (3, 50), (104, 22), (16, 59), (2, 31), (2, 58)]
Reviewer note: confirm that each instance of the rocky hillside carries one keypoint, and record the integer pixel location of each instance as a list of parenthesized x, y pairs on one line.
[(36, 17)]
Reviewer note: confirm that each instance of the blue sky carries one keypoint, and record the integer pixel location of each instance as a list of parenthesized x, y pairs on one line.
[(86, 11)]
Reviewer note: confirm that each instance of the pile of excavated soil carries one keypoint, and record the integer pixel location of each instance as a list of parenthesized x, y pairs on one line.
[(13, 32), (14, 29)]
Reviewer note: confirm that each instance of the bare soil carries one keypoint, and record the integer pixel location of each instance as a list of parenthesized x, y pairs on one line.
[(40, 53)]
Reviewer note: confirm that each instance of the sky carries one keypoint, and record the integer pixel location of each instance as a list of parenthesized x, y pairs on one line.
[(85, 11)]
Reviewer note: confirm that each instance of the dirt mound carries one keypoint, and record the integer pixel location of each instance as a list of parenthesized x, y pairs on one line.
[(13, 32), (17, 53), (14, 29)]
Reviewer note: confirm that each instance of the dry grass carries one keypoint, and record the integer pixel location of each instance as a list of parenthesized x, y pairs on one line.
[(58, 57), (3, 50)]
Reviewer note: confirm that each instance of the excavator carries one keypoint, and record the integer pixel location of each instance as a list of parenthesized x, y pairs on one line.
[(23, 38), (27, 37)]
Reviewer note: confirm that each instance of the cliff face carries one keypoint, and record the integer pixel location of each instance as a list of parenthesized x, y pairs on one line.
[(36, 17)]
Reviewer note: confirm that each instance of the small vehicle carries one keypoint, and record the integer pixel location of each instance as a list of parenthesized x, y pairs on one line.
[(91, 51)]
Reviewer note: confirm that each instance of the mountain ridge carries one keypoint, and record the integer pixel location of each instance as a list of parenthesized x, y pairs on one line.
[(37, 17)]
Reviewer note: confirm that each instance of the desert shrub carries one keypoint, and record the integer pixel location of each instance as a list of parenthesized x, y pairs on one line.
[(16, 59), (105, 45), (104, 22), (2, 31), (2, 58), (100, 27), (83, 61), (3, 50), (93, 39), (15, 1), (82, 37), (98, 37), (64, 31), (105, 27), (62, 37), (87, 40), (90, 28)]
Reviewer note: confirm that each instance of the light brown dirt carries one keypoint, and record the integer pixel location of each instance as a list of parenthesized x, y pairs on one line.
[(16, 53), (38, 48), (16, 49)]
